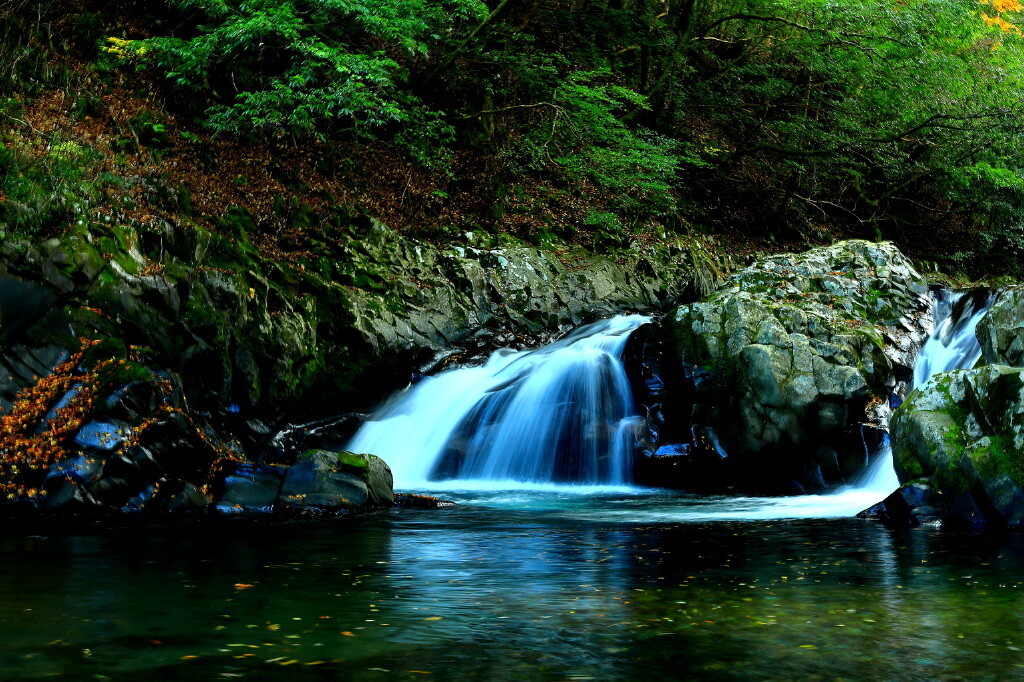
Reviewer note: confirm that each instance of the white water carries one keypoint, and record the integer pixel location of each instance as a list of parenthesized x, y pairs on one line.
[(560, 421), (952, 345), (561, 413)]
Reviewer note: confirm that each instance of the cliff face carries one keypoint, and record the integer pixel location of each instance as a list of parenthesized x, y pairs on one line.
[(172, 362)]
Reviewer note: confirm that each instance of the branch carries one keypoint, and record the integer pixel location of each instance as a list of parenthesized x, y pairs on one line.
[(786, 22), (488, 112), (450, 59)]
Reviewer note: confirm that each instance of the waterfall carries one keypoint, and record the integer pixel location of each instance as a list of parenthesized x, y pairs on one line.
[(952, 345), (562, 413)]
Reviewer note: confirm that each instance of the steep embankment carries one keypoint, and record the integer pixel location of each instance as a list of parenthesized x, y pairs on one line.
[(179, 360)]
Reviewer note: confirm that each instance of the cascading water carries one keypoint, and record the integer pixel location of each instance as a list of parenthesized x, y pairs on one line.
[(564, 414), (561, 413), (952, 345)]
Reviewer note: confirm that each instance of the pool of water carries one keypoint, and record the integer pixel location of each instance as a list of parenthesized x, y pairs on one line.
[(519, 585)]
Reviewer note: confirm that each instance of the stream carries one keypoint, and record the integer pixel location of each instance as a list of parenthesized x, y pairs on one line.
[(550, 567), (537, 586)]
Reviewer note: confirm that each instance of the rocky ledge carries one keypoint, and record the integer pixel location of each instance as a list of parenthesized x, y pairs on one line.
[(778, 382), (958, 440), (163, 369)]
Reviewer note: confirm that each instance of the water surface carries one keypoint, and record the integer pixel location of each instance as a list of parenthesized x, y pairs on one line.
[(539, 586)]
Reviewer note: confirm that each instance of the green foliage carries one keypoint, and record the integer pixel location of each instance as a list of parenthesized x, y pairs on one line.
[(781, 118), (46, 188), (636, 165), (311, 67)]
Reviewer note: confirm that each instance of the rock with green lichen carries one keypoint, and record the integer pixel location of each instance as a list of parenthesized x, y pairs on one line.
[(332, 480), (962, 435), (319, 482), (1001, 331), (786, 360)]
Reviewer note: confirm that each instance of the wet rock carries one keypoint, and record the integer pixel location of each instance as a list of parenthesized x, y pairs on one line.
[(252, 488), (1001, 331), (187, 500), (961, 437), (786, 362), (414, 501), (338, 480)]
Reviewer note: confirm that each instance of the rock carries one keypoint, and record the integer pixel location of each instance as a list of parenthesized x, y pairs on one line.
[(1001, 330), (786, 362), (252, 488), (338, 480), (414, 501), (961, 436)]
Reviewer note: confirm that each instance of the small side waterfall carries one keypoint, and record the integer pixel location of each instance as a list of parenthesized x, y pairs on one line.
[(561, 413), (952, 345)]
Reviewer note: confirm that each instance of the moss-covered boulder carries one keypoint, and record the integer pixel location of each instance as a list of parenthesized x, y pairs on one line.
[(333, 480), (318, 482), (780, 368), (960, 437)]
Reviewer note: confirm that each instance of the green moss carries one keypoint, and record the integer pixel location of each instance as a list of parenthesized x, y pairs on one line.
[(951, 477), (1006, 458), (909, 465)]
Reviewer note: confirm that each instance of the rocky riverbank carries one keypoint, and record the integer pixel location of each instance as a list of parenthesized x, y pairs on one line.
[(165, 371)]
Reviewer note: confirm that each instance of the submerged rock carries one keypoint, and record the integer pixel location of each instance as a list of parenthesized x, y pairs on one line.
[(777, 372)]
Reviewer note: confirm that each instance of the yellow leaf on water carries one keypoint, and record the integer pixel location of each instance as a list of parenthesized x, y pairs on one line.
[(808, 646), (434, 618)]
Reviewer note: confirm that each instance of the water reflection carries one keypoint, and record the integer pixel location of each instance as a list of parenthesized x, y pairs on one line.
[(502, 594)]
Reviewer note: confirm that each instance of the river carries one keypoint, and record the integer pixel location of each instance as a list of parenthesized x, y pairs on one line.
[(532, 579), (513, 586)]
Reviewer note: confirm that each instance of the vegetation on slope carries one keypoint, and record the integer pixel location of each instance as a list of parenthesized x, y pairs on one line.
[(767, 123)]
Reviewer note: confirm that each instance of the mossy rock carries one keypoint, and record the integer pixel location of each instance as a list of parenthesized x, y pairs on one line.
[(963, 434), (794, 340)]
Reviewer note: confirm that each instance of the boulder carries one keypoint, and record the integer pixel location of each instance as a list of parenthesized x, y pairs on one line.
[(778, 371), (961, 436), (1001, 331), (337, 480)]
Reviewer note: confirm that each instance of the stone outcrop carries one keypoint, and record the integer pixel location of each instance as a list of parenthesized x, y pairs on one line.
[(958, 446), (226, 349), (779, 369), (1001, 331), (958, 440)]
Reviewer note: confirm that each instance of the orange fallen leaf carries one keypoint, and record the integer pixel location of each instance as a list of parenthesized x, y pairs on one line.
[(242, 586), (347, 633)]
